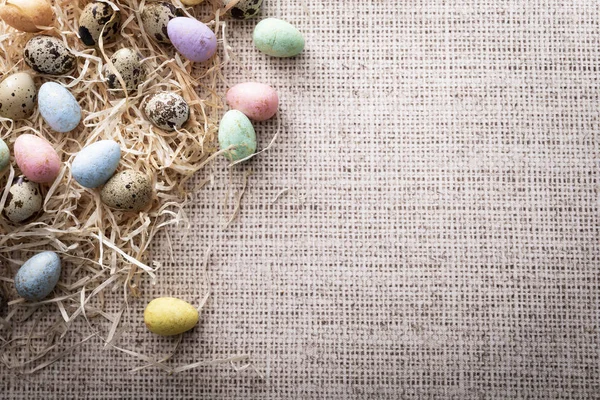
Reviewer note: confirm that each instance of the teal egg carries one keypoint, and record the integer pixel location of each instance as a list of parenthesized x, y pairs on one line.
[(4, 155), (278, 38), (96, 163), (39, 275), (236, 131)]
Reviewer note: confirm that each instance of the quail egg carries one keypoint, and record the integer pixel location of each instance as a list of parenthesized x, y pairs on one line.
[(24, 200), (96, 16), (167, 110), (245, 9), (127, 190), (48, 55), (156, 17), (17, 96), (129, 65)]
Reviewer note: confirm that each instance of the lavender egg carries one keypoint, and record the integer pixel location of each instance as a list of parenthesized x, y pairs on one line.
[(194, 40)]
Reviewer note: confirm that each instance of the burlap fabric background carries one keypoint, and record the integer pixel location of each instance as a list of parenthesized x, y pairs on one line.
[(440, 235)]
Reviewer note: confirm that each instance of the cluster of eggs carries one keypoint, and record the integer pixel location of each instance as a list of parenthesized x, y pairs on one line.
[(96, 165)]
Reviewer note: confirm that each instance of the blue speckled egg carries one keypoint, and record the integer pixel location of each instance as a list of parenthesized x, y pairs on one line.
[(96, 163), (58, 107), (38, 276)]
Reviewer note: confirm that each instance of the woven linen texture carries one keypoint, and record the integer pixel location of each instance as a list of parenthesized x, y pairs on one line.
[(439, 237)]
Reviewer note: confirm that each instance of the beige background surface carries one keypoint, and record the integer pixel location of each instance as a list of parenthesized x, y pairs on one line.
[(440, 236)]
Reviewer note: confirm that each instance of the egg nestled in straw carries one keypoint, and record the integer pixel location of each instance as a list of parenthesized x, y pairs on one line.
[(36, 158), (167, 110), (58, 107), (17, 96), (94, 165), (98, 18), (128, 63), (24, 200), (155, 18), (39, 275), (48, 55), (27, 15), (128, 191), (193, 39)]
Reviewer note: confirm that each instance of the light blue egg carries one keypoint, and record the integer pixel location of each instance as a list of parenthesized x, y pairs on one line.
[(95, 164), (236, 135), (58, 107), (39, 275)]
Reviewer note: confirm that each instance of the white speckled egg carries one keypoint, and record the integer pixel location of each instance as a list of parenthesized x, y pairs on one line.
[(245, 8), (155, 18), (127, 190), (167, 110), (48, 55), (24, 200), (17, 96), (129, 65), (94, 17)]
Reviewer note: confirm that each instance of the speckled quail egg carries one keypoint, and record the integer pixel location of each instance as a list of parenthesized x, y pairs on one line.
[(129, 65), (155, 18), (167, 110), (96, 16), (24, 200), (127, 190), (18, 95), (245, 8), (48, 55)]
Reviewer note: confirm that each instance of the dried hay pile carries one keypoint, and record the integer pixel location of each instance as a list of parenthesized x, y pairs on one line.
[(104, 252)]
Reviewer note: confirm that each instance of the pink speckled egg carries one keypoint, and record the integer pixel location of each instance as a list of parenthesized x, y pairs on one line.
[(256, 100), (36, 158)]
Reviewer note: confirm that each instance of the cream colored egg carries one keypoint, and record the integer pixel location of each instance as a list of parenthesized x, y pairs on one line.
[(128, 63), (17, 96), (128, 191), (24, 200)]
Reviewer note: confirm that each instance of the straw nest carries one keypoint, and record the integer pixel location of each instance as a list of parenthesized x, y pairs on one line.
[(104, 252)]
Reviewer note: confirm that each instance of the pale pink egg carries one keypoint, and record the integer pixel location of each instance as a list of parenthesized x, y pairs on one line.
[(257, 100), (36, 158)]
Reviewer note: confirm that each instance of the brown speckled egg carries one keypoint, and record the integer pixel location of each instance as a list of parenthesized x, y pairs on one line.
[(245, 8), (17, 96), (167, 110), (127, 190), (129, 64), (48, 55), (155, 18), (24, 200), (93, 19)]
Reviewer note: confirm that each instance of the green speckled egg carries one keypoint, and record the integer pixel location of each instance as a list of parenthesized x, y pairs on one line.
[(4, 155), (278, 38), (24, 200), (236, 131), (127, 190), (169, 316)]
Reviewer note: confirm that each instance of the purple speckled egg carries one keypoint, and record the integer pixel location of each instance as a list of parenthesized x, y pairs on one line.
[(194, 40)]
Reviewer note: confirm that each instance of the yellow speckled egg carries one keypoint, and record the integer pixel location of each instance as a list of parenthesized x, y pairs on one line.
[(168, 316)]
